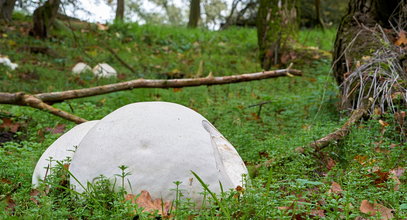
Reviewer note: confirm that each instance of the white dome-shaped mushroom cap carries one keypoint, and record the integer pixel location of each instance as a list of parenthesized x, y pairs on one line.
[(80, 68), (104, 70), (160, 143), (61, 149)]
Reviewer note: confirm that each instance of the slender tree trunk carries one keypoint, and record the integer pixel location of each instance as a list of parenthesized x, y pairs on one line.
[(120, 10), (194, 13), (276, 23), (318, 18), (6, 9), (43, 18)]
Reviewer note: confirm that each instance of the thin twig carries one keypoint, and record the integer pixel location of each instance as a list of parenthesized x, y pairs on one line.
[(120, 59)]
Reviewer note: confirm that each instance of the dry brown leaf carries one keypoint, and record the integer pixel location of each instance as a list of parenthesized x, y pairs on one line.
[(372, 209), (336, 188), (284, 207), (4, 180), (33, 194), (8, 124), (177, 89), (318, 213), (330, 163), (11, 204), (395, 174), (102, 27), (361, 159), (385, 212), (144, 200), (398, 172), (255, 116), (382, 177), (401, 39), (367, 208), (58, 129), (383, 123)]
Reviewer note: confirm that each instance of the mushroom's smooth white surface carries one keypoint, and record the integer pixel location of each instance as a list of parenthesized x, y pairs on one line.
[(160, 143), (61, 149), (7, 62), (104, 70), (80, 68)]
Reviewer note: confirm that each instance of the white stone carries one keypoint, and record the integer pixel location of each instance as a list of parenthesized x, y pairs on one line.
[(104, 70), (80, 68), (63, 148), (160, 143), (7, 62)]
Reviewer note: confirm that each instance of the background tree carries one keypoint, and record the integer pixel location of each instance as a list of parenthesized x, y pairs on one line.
[(213, 12), (350, 32), (276, 23), (318, 18), (120, 10), (370, 29), (194, 13), (43, 18), (242, 13), (6, 9)]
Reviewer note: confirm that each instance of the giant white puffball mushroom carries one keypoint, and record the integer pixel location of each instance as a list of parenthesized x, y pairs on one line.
[(160, 143), (80, 68), (7, 62), (62, 149), (104, 70)]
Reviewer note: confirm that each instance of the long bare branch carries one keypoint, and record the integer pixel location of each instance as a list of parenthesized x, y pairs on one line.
[(40, 101), (173, 83), (341, 132), (23, 99)]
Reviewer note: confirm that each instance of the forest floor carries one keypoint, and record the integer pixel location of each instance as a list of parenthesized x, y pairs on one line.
[(362, 173)]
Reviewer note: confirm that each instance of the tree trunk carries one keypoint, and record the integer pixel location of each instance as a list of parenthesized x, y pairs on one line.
[(6, 9), (276, 23), (360, 41), (120, 10), (194, 13), (43, 18), (319, 21)]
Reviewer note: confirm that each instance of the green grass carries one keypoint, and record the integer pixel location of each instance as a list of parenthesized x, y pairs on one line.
[(301, 110)]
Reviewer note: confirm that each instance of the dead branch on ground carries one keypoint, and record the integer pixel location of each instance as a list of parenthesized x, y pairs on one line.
[(40, 101), (339, 134), (23, 99), (150, 83)]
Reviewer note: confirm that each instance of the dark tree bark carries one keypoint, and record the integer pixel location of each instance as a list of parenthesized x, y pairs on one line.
[(6, 9), (352, 41), (276, 23), (43, 18), (120, 10), (319, 21), (194, 13)]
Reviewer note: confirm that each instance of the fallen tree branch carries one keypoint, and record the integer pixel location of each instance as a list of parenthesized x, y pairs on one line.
[(34, 102), (23, 99), (40, 101), (173, 83), (339, 134)]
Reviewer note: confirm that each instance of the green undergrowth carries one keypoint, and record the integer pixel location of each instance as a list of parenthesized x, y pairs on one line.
[(284, 183)]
